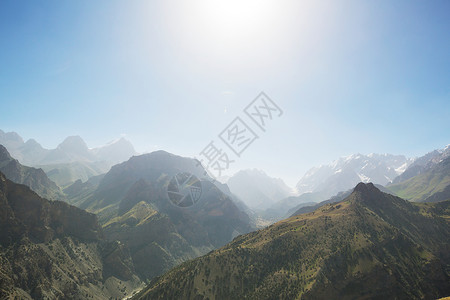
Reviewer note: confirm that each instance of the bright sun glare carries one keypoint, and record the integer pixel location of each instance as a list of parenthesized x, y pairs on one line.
[(233, 19), (231, 33)]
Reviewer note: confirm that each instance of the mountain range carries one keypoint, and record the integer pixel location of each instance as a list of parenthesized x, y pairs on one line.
[(256, 189), (132, 204), (317, 185), (423, 164), (328, 181), (371, 245), (70, 160), (334, 180), (427, 179), (34, 178), (345, 172), (123, 229)]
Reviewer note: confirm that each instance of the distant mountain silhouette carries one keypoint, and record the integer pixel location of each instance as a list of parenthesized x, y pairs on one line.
[(281, 209), (256, 189), (345, 172), (69, 161)]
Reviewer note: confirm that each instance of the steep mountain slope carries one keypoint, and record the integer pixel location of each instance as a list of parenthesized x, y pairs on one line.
[(36, 179), (346, 172), (51, 250), (302, 209), (29, 152), (423, 164), (11, 141), (369, 246), (154, 242), (305, 202), (65, 174), (255, 219), (280, 209), (132, 203), (256, 189), (431, 185), (79, 191)]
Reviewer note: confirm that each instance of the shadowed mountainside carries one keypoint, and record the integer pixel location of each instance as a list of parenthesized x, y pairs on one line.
[(133, 206), (34, 178), (51, 250)]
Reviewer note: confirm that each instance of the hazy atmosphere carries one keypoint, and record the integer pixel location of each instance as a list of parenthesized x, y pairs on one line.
[(225, 150), (350, 76)]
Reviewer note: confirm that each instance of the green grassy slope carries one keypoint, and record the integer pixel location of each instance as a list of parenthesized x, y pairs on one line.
[(370, 246), (424, 186)]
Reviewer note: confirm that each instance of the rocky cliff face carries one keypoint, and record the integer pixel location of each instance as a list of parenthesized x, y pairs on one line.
[(51, 250), (34, 178), (42, 220)]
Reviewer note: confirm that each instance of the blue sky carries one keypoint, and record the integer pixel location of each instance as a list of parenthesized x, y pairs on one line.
[(350, 76)]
